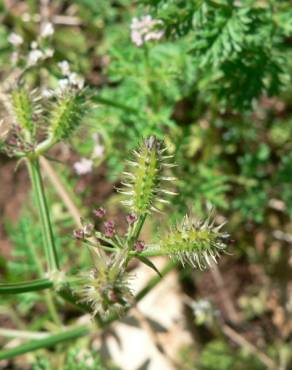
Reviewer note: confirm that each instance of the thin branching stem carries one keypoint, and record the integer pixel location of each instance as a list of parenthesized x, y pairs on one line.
[(38, 190)]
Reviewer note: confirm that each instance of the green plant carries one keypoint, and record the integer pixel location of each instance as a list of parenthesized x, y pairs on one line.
[(105, 289)]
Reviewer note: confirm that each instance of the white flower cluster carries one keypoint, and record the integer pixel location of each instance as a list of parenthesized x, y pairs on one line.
[(204, 311), (36, 53), (71, 79), (85, 165), (145, 29), (15, 39), (47, 30)]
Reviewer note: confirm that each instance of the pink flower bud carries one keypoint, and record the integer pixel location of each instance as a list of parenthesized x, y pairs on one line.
[(131, 218), (109, 224), (78, 234), (100, 212), (109, 233), (139, 246)]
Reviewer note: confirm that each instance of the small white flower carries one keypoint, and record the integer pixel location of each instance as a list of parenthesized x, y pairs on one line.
[(47, 30), (34, 45), (154, 35), (49, 53), (203, 311), (15, 39), (64, 67), (26, 17), (63, 84), (76, 80), (83, 167), (34, 56), (98, 150), (143, 30)]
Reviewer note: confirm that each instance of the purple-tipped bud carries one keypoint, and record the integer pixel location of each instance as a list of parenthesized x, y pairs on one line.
[(131, 218), (100, 212), (109, 232), (78, 234), (139, 246), (109, 224)]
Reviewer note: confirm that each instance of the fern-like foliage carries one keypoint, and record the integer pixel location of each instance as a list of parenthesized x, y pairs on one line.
[(236, 46)]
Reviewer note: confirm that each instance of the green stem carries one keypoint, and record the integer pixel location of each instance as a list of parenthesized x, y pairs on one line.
[(47, 294), (137, 229), (44, 146), (38, 190), (22, 334), (27, 286), (47, 342), (103, 247)]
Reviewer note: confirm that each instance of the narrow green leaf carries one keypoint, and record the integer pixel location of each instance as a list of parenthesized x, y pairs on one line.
[(149, 263)]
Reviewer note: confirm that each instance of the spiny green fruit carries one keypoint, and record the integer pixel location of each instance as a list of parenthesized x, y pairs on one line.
[(106, 287), (23, 108), (67, 114), (196, 243), (143, 182)]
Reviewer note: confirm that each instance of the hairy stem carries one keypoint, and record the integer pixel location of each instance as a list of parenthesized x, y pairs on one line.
[(38, 190)]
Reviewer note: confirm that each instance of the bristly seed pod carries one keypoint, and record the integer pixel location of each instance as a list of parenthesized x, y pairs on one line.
[(23, 107), (143, 183), (105, 288), (195, 243), (67, 114)]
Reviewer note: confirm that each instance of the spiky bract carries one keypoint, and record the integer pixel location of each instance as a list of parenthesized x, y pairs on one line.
[(106, 287), (195, 243), (23, 108), (144, 180), (66, 114)]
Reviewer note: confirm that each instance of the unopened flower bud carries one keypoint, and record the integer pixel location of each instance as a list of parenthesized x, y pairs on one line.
[(78, 234), (109, 224), (131, 218), (139, 246), (100, 212)]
